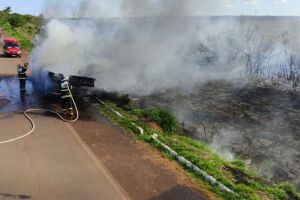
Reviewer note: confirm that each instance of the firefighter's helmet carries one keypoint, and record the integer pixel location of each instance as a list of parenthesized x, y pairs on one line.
[(64, 83)]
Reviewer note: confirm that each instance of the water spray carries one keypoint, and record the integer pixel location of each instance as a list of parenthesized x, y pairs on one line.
[(12, 84), (38, 110)]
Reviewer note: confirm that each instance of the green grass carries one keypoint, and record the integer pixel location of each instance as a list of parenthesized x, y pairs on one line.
[(244, 182), (23, 27), (25, 42), (165, 119)]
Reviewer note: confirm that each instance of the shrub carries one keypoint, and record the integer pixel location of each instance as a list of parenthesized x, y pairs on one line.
[(164, 118), (21, 27), (16, 20)]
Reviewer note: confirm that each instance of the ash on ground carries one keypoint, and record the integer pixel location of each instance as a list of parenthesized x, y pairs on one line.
[(255, 122)]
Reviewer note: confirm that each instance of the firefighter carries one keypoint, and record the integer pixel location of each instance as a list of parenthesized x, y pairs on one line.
[(22, 69), (66, 98)]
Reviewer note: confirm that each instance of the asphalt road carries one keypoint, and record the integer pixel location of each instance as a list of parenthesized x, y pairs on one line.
[(51, 164)]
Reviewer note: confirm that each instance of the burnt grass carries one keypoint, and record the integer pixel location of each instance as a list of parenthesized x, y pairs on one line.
[(256, 122)]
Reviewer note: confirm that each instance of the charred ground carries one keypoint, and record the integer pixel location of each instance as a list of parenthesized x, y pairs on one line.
[(257, 122)]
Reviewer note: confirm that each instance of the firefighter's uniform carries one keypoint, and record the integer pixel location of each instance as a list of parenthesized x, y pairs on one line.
[(22, 76), (66, 98)]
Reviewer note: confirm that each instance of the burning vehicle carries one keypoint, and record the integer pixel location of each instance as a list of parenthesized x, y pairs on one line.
[(48, 84)]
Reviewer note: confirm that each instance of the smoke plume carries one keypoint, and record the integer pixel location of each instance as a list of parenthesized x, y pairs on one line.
[(144, 46), (138, 55)]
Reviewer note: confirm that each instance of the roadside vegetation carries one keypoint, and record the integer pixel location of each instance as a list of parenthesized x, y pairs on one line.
[(235, 175), (21, 27)]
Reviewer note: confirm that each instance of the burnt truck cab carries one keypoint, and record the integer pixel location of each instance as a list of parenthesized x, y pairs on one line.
[(48, 84)]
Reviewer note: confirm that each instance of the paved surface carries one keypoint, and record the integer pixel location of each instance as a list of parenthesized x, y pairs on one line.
[(54, 163), (13, 100), (51, 164), (140, 170)]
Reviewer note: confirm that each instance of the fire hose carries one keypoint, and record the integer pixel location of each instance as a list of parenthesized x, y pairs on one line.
[(38, 110)]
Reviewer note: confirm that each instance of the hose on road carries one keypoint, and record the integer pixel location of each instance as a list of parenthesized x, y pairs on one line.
[(38, 110)]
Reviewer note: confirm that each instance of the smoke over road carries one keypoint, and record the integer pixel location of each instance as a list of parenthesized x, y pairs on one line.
[(143, 47), (137, 55)]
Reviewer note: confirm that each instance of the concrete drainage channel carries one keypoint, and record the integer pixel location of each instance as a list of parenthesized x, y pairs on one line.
[(179, 158)]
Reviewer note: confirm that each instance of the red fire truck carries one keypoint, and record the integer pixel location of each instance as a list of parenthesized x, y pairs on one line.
[(12, 47)]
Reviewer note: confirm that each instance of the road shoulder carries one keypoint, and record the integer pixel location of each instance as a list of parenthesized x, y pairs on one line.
[(98, 162), (137, 167)]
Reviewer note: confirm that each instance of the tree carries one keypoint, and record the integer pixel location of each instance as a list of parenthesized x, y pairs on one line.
[(291, 66), (16, 20), (201, 55), (4, 15), (7, 10), (255, 47)]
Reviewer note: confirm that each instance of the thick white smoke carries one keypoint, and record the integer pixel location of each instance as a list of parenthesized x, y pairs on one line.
[(135, 55), (143, 46), (130, 8), (163, 47)]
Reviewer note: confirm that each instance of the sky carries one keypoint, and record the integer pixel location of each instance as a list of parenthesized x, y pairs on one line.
[(231, 7), (34, 7)]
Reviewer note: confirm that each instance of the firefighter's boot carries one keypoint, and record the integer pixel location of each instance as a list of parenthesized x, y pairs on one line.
[(70, 112)]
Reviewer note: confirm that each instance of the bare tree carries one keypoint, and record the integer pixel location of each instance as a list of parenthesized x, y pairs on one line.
[(201, 54), (256, 48), (291, 67)]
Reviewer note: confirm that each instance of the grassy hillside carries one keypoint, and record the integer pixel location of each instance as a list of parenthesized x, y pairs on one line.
[(235, 175), (22, 27)]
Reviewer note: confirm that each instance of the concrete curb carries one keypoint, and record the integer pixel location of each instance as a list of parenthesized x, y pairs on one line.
[(141, 130), (179, 158), (182, 160)]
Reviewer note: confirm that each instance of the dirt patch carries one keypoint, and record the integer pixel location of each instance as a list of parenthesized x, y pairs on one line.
[(151, 124), (139, 168)]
